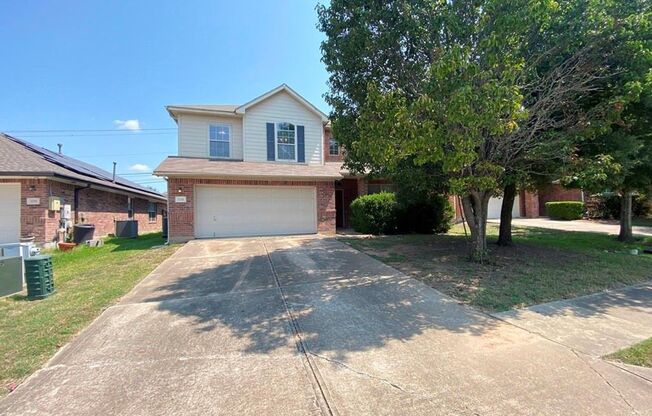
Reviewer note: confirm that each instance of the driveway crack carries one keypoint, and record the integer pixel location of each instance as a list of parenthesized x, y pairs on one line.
[(391, 384), (362, 373), (607, 382), (576, 353), (318, 384)]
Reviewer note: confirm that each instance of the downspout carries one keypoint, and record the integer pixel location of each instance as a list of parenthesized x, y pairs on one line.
[(167, 180)]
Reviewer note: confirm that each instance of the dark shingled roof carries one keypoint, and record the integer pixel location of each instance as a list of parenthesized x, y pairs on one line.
[(21, 158)]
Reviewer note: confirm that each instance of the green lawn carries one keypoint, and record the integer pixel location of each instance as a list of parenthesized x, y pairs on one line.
[(87, 280), (544, 265), (639, 354)]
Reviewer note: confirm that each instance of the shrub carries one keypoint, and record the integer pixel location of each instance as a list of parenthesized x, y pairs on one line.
[(426, 216), (607, 206), (565, 210), (375, 213)]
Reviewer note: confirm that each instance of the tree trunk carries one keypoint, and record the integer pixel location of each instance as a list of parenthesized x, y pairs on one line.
[(475, 210), (505, 235), (626, 217)]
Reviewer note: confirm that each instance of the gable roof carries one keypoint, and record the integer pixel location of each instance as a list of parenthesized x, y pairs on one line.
[(21, 158), (227, 109), (286, 88)]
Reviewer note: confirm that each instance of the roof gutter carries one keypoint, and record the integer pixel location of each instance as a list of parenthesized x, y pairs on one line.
[(247, 177), (175, 111)]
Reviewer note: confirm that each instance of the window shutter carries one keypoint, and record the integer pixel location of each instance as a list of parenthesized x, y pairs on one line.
[(301, 144), (271, 154)]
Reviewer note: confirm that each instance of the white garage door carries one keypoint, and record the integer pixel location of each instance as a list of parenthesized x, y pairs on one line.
[(9, 212), (249, 211), (496, 203)]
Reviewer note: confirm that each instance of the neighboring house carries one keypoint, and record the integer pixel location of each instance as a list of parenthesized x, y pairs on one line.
[(267, 167), (33, 178), (527, 204)]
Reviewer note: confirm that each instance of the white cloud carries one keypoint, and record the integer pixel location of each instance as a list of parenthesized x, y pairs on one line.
[(139, 167), (127, 124)]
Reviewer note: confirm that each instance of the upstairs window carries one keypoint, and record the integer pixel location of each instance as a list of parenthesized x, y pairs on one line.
[(333, 147), (151, 211), (220, 140), (286, 141)]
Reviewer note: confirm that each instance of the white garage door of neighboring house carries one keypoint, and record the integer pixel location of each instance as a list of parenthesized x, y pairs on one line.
[(222, 211), (496, 203), (9, 212)]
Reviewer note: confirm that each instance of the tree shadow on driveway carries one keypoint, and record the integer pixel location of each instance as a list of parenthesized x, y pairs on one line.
[(342, 301)]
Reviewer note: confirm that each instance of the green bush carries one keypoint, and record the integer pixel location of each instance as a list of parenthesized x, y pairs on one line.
[(382, 214), (433, 215), (565, 210), (375, 213), (606, 205)]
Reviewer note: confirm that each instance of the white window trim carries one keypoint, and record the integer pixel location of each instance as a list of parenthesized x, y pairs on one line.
[(230, 127), (296, 142)]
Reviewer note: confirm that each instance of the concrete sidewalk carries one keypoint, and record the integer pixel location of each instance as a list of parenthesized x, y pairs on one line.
[(312, 326), (604, 227), (596, 324)]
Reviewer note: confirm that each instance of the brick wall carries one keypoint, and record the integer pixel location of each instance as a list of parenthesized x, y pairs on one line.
[(362, 186), (457, 208), (37, 220), (556, 192), (181, 217), (529, 202), (141, 214), (102, 208), (95, 207), (325, 207)]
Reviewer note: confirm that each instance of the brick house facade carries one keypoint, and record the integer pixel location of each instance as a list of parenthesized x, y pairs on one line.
[(181, 215), (555, 192), (98, 207), (34, 175)]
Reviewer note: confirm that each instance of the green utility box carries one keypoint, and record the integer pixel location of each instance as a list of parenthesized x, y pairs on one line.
[(39, 277)]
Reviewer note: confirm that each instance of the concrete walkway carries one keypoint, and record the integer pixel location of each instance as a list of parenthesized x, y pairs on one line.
[(605, 227), (312, 326)]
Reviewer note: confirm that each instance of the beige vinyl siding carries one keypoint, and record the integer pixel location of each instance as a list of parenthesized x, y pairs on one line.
[(276, 109), (193, 135)]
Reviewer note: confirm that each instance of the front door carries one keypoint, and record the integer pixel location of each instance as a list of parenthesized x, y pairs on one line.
[(339, 209)]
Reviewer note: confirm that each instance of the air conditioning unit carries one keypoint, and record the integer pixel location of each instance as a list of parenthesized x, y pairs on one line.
[(11, 275)]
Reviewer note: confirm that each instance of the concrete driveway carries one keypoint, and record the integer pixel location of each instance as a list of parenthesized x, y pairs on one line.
[(604, 227), (311, 326)]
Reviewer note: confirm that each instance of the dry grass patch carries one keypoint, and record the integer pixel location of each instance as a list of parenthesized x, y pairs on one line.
[(544, 265)]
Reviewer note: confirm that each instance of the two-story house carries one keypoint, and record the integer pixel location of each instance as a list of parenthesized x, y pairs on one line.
[(267, 167), (272, 167)]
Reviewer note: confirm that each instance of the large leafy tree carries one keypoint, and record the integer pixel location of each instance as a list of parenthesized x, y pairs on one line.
[(436, 84), (616, 152), (565, 62)]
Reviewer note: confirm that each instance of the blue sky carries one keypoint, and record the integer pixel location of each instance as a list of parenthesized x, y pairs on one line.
[(101, 65)]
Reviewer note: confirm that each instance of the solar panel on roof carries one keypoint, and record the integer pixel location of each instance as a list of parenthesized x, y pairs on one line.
[(80, 167)]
